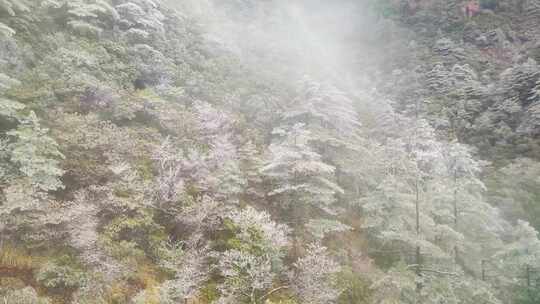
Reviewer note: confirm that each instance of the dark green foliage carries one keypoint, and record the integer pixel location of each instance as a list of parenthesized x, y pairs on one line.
[(133, 237), (61, 273), (356, 289), (528, 295), (209, 293)]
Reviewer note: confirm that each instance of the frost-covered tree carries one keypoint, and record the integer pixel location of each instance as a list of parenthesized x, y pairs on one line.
[(329, 114), (296, 172), (298, 179), (215, 130), (80, 221), (226, 176), (254, 262), (199, 219), (35, 154), (27, 214), (170, 183), (326, 111), (518, 259), (314, 277), (153, 67), (497, 118), (396, 286), (320, 228), (531, 121), (464, 208), (251, 161), (9, 109), (400, 210), (83, 227), (246, 276), (260, 232), (211, 164), (190, 272), (85, 17), (457, 98), (441, 176), (438, 199), (6, 31), (515, 190), (399, 285), (11, 7), (518, 82), (141, 15)]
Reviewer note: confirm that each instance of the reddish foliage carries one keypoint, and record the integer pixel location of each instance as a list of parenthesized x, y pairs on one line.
[(471, 9), (497, 54)]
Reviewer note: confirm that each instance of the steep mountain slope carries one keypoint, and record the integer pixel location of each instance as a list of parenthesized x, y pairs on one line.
[(265, 152)]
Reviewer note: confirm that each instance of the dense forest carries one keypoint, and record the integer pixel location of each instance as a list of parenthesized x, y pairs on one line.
[(269, 152)]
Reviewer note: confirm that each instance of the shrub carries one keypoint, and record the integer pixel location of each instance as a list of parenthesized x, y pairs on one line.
[(23, 296), (62, 273), (356, 288), (11, 257)]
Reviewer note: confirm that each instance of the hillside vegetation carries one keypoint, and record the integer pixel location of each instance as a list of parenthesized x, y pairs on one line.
[(269, 152)]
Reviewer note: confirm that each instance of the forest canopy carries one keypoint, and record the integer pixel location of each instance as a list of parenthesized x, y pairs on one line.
[(269, 152)]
